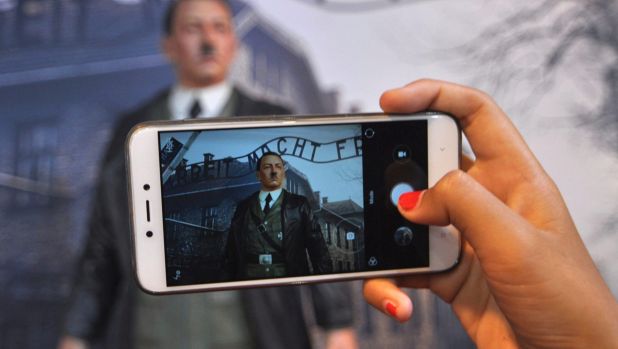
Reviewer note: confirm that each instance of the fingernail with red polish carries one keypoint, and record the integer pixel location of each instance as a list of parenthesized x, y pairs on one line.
[(408, 201), (391, 309)]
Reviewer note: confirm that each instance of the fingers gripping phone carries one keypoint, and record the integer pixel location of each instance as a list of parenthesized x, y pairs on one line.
[(245, 202)]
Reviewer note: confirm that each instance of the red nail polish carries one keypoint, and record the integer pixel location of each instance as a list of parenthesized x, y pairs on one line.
[(408, 201), (391, 309)]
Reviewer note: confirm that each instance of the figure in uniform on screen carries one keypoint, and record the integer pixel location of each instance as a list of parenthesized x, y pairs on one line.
[(273, 231)]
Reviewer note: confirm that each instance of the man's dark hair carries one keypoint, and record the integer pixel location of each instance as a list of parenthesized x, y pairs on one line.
[(259, 162), (168, 19)]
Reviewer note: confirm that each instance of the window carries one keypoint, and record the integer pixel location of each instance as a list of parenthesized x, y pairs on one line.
[(329, 240), (36, 148), (209, 217), (338, 235)]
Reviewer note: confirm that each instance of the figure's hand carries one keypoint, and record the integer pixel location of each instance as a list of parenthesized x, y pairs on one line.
[(344, 338), (525, 277)]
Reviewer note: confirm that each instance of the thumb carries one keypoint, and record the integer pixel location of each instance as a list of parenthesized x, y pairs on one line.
[(493, 230)]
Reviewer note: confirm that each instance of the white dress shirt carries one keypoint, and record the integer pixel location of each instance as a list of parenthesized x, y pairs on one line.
[(274, 195), (212, 100)]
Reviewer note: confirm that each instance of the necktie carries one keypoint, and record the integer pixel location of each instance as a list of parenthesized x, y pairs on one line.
[(267, 206), (196, 109)]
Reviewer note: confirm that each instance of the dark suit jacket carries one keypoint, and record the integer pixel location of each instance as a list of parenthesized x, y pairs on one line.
[(104, 288), (301, 232)]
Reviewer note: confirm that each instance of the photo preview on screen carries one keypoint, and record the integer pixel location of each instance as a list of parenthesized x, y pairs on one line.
[(333, 213)]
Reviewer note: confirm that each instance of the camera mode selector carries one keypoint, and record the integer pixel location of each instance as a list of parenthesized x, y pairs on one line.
[(403, 236)]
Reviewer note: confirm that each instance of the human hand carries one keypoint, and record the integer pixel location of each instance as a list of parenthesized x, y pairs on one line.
[(525, 277), (344, 338)]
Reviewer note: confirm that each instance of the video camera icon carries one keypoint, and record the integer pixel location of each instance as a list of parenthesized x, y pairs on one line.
[(402, 153)]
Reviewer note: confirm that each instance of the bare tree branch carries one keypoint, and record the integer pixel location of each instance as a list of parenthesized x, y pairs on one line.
[(534, 43)]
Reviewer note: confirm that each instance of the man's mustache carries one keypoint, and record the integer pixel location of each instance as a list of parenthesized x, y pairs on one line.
[(207, 49)]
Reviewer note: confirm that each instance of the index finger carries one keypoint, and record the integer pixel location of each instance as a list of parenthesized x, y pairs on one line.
[(489, 130)]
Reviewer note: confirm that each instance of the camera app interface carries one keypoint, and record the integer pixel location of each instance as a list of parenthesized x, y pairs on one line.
[(246, 204)]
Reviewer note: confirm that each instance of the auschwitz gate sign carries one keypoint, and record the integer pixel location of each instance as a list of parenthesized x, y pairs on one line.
[(299, 147)]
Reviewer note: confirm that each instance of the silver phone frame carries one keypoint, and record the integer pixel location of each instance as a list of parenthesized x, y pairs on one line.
[(142, 161)]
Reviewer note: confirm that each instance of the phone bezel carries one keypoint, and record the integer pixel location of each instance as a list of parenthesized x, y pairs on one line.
[(142, 158)]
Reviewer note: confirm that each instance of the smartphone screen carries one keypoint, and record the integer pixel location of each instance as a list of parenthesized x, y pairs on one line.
[(322, 201)]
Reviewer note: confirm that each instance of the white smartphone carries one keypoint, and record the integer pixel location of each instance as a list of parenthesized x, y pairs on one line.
[(246, 202)]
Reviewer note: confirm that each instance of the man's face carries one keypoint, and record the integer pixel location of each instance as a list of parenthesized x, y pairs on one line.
[(271, 173), (202, 43)]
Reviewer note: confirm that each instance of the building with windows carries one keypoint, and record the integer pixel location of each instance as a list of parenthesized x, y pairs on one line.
[(343, 226)]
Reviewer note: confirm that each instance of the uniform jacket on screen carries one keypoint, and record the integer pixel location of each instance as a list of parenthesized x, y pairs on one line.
[(301, 232)]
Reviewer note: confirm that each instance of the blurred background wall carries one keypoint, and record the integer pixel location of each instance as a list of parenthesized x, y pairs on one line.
[(70, 68)]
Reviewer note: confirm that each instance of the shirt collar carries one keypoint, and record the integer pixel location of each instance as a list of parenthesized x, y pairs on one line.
[(273, 194), (212, 100)]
